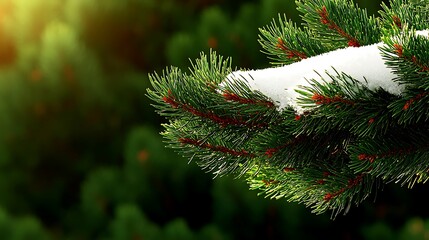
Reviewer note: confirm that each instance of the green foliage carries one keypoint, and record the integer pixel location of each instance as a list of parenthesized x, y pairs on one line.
[(227, 35), (339, 23), (348, 141), (401, 13), (288, 44), (21, 228), (413, 229), (207, 74), (80, 151), (130, 223), (57, 100), (122, 31)]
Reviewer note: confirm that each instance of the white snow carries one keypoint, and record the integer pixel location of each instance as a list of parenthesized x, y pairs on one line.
[(424, 33), (364, 64)]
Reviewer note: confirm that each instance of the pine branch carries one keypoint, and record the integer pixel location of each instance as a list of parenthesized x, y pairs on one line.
[(339, 23), (285, 43), (320, 187), (348, 105), (398, 156), (405, 13), (349, 108)]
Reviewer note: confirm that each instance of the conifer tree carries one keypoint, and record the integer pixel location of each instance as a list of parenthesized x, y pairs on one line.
[(343, 111)]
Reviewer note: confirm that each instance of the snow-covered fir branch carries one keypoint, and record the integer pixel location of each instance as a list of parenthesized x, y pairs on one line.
[(365, 64)]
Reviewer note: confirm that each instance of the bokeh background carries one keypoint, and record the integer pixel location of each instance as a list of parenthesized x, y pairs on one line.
[(80, 152)]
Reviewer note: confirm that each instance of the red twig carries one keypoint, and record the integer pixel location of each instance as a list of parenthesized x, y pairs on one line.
[(202, 144), (271, 151), (223, 121), (411, 101), (325, 20), (290, 53), (323, 180), (288, 169), (269, 182), (320, 99), (229, 96), (397, 21), (351, 184), (395, 152), (399, 50)]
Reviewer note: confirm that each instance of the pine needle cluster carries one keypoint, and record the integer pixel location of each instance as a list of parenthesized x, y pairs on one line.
[(349, 140)]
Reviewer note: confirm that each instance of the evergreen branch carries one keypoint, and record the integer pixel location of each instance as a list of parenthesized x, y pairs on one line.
[(241, 94), (229, 96), (339, 23), (220, 152), (282, 147), (411, 110), (285, 43), (346, 104), (202, 101), (417, 98), (319, 187), (222, 121), (405, 13), (355, 189), (202, 144), (322, 130), (354, 182), (397, 156), (413, 60), (290, 143), (290, 53), (320, 99), (405, 54), (325, 20)]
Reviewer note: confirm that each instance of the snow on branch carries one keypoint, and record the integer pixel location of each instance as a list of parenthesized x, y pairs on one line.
[(365, 64)]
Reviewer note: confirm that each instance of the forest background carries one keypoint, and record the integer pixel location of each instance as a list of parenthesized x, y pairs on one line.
[(81, 156)]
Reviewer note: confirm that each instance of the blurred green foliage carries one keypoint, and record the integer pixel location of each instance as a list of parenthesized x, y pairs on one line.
[(230, 36), (414, 229), (80, 152), (21, 228)]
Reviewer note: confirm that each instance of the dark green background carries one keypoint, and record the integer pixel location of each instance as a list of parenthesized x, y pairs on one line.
[(80, 152)]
